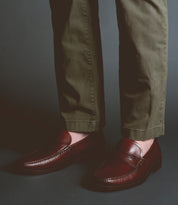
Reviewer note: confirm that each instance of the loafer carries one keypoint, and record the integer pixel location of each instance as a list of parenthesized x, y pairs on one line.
[(60, 154), (124, 167)]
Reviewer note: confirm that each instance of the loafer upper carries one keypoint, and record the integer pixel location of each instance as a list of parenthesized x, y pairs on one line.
[(125, 165), (59, 152)]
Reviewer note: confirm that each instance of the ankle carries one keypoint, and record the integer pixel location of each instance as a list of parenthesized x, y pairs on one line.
[(145, 145), (77, 136)]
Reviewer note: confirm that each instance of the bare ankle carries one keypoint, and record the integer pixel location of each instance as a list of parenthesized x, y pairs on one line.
[(145, 145), (77, 136)]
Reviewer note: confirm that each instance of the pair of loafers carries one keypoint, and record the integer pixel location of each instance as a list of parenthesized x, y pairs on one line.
[(122, 168)]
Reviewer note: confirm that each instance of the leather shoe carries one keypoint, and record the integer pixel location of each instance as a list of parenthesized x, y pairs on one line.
[(124, 167), (60, 153)]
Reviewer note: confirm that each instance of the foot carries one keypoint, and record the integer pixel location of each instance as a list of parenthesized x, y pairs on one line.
[(126, 167)]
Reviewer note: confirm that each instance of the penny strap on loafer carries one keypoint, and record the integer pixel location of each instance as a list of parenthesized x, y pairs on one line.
[(129, 151), (133, 161), (129, 146)]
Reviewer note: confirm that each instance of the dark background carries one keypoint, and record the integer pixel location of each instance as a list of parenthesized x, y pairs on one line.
[(29, 110)]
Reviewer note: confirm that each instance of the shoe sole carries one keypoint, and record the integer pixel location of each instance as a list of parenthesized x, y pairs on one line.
[(106, 188)]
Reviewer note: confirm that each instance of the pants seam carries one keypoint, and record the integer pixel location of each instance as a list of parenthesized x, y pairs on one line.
[(137, 134), (82, 120), (90, 56), (83, 125), (142, 129)]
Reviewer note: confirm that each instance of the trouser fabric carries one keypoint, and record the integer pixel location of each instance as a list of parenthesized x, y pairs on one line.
[(143, 59)]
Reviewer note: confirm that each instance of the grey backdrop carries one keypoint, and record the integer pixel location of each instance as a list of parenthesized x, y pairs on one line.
[(29, 107)]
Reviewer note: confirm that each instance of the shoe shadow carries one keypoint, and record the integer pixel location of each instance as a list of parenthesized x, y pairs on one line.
[(23, 130), (89, 168)]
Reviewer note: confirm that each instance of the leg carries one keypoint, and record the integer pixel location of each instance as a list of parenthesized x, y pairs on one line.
[(79, 74), (78, 63), (143, 35), (143, 48)]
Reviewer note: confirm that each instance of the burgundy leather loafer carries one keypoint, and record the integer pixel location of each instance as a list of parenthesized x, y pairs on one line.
[(125, 167), (60, 154)]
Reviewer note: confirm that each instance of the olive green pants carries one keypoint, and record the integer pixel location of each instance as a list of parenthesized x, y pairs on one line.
[(143, 60)]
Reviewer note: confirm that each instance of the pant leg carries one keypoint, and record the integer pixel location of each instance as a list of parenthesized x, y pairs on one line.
[(143, 47), (78, 64)]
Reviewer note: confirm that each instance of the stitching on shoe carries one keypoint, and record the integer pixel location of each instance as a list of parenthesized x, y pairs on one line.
[(53, 155), (65, 149), (111, 178)]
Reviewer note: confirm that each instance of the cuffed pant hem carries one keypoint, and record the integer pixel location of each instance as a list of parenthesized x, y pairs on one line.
[(83, 125), (139, 134)]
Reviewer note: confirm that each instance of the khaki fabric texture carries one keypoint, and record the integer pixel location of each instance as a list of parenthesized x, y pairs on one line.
[(143, 65)]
